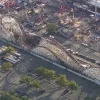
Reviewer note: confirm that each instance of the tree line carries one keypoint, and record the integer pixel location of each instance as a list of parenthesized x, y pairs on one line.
[(61, 80)]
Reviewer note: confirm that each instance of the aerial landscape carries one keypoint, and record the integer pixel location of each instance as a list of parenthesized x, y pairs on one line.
[(49, 50)]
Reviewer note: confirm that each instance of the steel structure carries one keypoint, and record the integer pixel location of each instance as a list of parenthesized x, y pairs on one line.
[(61, 47), (17, 18)]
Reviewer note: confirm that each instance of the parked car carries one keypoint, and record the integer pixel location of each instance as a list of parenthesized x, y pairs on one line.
[(21, 93), (70, 50), (97, 62), (19, 8), (29, 70), (75, 53), (84, 44), (65, 91), (42, 91)]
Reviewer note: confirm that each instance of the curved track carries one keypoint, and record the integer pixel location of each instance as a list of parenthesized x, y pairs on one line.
[(18, 19), (63, 49)]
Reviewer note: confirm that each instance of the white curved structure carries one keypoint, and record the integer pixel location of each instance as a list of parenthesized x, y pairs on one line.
[(10, 27)]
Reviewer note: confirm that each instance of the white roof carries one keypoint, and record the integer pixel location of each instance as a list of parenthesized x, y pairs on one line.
[(2, 2), (93, 2)]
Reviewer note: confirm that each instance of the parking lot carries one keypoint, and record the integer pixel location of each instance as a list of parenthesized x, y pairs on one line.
[(11, 81)]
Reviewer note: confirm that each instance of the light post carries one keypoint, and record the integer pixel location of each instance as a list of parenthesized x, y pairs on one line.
[(95, 8), (72, 10)]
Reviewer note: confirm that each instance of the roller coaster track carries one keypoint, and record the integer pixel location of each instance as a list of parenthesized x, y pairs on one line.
[(53, 41), (17, 18)]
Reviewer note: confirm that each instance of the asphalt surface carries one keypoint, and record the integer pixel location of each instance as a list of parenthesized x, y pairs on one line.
[(11, 82)]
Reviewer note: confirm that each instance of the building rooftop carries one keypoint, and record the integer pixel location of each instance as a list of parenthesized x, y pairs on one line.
[(95, 2)]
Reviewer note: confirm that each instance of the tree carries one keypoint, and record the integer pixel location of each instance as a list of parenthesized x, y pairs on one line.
[(73, 85), (50, 75), (51, 28), (35, 84), (6, 66), (46, 73), (9, 49), (13, 93), (8, 96), (24, 98), (26, 79), (62, 80), (40, 71), (12, 96)]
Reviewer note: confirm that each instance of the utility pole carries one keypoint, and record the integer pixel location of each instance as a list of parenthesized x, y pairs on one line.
[(95, 8)]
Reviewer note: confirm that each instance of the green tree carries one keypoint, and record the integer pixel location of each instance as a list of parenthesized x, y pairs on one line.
[(24, 98), (26, 79), (62, 80), (9, 49), (73, 85), (6, 66), (35, 84), (12, 96), (8, 96), (51, 28), (13, 93), (50, 75), (46, 73), (40, 71)]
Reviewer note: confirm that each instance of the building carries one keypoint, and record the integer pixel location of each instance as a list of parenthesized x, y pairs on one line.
[(95, 2), (7, 3), (2, 2)]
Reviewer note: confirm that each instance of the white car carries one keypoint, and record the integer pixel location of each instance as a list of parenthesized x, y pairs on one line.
[(70, 50), (51, 36), (85, 65), (46, 33), (85, 44), (75, 52), (97, 62)]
